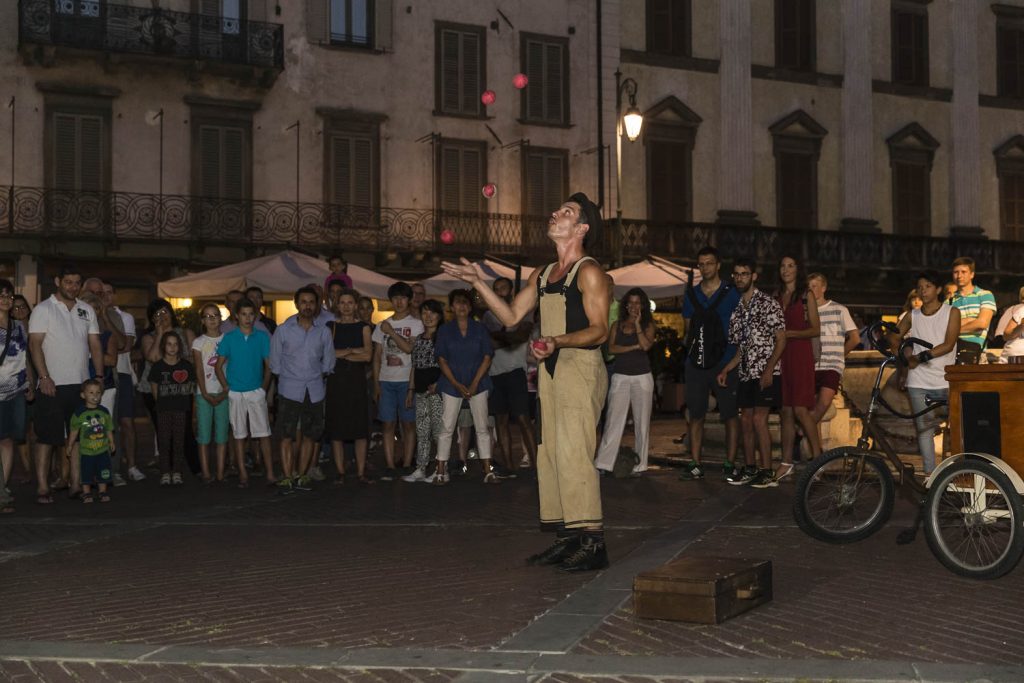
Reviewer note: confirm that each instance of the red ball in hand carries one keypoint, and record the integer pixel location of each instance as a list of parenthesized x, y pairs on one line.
[(539, 345), (447, 236)]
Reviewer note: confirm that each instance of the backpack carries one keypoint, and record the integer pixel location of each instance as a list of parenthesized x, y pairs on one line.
[(705, 337)]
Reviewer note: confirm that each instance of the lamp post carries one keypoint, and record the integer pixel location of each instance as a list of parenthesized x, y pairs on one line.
[(632, 120)]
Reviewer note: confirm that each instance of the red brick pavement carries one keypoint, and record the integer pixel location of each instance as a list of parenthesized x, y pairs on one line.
[(870, 600)]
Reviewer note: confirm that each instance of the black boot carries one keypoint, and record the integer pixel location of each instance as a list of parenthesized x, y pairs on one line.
[(590, 555), (558, 551)]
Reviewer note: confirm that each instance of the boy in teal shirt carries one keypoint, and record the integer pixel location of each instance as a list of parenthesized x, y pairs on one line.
[(93, 429)]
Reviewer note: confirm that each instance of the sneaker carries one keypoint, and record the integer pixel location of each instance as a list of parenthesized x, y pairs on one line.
[(591, 555), (284, 486), (727, 467), (176, 479), (764, 479), (742, 475), (316, 474), (417, 475), (457, 469), (502, 473), (119, 480), (525, 462), (491, 478), (692, 471), (440, 479), (556, 552), (135, 474), (165, 480), (785, 470), (429, 479), (303, 483), (390, 474)]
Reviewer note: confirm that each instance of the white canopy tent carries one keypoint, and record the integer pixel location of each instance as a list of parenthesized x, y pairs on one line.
[(278, 275), (441, 284), (659, 278)]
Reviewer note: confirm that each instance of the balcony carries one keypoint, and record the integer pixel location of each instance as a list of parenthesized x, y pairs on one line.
[(153, 31), (134, 217)]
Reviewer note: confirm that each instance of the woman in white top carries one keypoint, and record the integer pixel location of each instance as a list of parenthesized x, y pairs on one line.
[(937, 323)]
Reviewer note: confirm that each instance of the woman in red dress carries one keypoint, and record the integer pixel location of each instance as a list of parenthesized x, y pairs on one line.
[(802, 326)]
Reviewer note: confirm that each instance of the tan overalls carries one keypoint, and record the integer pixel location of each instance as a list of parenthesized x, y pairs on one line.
[(570, 406)]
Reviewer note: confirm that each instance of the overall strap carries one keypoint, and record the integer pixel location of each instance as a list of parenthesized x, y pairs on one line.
[(572, 272), (542, 285)]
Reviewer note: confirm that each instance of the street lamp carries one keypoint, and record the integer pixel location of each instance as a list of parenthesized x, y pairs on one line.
[(632, 120)]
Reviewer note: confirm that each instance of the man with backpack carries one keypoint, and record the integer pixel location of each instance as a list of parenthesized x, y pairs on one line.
[(706, 312)]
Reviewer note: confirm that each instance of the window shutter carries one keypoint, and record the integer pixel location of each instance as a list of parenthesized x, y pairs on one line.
[(472, 180), (450, 177), (470, 74), (535, 185), (209, 162), (318, 21), (341, 177), (210, 8), (65, 152), (670, 182), (535, 74), (554, 182), (383, 25), (553, 83), (450, 71), (91, 146), (362, 172), (233, 163)]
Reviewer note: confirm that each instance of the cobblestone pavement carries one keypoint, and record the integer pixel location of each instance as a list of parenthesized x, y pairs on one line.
[(409, 582)]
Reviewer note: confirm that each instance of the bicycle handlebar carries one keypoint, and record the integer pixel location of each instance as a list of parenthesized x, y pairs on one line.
[(878, 336)]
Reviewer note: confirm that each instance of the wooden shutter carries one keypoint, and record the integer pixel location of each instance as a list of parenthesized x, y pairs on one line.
[(351, 159), (794, 34), (318, 21), (470, 76), (79, 147), (462, 169), (910, 47), (209, 162), (450, 51), (553, 83), (233, 164), (222, 163), (545, 181), (534, 92), (669, 181), (911, 199), (1010, 61), (341, 170), (384, 14), (668, 26)]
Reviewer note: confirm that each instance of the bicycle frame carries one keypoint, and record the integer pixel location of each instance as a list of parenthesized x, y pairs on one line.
[(872, 439)]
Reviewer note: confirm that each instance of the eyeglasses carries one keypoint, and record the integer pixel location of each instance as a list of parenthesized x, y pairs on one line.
[(6, 296), (212, 316), (161, 313)]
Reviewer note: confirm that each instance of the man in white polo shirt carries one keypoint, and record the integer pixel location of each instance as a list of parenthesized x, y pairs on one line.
[(63, 334)]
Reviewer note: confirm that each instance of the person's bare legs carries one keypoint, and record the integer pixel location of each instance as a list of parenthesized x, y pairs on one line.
[(43, 454), (763, 436), (696, 433), (388, 431), (7, 458), (732, 437), (268, 458), (338, 453), (287, 458), (749, 435), (408, 443), (204, 460), (360, 448), (305, 454), (222, 452), (810, 427), (127, 425), (788, 428), (243, 474), (529, 440), (503, 444), (825, 396)]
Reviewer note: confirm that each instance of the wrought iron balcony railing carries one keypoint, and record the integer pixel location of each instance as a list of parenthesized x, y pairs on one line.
[(106, 27), (126, 216)]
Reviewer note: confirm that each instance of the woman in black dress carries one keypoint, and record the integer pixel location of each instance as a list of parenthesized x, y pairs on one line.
[(346, 386)]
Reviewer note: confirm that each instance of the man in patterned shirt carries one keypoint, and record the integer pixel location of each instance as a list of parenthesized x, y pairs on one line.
[(758, 329), (977, 306)]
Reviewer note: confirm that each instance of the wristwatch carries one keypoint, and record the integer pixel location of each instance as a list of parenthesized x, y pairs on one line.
[(924, 356)]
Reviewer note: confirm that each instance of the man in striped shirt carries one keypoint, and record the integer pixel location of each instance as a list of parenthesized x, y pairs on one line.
[(839, 336), (977, 306)]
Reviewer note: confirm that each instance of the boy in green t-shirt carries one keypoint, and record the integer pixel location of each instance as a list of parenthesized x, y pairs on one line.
[(93, 429)]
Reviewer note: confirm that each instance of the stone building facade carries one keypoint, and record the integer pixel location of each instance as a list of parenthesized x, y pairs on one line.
[(143, 138)]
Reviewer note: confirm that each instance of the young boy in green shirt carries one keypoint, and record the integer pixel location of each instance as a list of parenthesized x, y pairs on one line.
[(93, 429)]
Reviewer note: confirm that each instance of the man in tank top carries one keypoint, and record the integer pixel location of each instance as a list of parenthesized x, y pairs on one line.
[(574, 299)]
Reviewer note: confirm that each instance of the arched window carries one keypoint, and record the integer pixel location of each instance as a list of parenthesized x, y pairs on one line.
[(670, 132), (911, 152)]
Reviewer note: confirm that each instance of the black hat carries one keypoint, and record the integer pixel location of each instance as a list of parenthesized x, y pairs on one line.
[(591, 215)]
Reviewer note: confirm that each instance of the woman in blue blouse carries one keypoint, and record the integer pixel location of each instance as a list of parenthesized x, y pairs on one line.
[(463, 349)]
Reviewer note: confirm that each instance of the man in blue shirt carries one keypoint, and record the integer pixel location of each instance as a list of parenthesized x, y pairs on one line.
[(301, 354), (243, 369), (710, 304)]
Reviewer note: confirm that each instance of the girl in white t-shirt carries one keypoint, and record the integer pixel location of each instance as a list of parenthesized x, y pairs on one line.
[(937, 323), (212, 414)]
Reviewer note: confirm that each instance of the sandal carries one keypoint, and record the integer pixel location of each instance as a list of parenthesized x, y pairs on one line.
[(7, 509), (243, 484), (339, 480), (44, 499), (363, 479), (87, 498), (104, 498), (785, 469)]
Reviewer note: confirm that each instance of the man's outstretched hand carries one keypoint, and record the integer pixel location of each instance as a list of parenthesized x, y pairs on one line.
[(466, 271)]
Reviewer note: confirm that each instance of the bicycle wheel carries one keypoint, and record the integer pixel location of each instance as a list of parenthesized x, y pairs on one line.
[(845, 495), (973, 520)]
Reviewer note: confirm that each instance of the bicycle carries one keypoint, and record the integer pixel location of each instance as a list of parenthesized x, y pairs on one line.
[(971, 505)]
